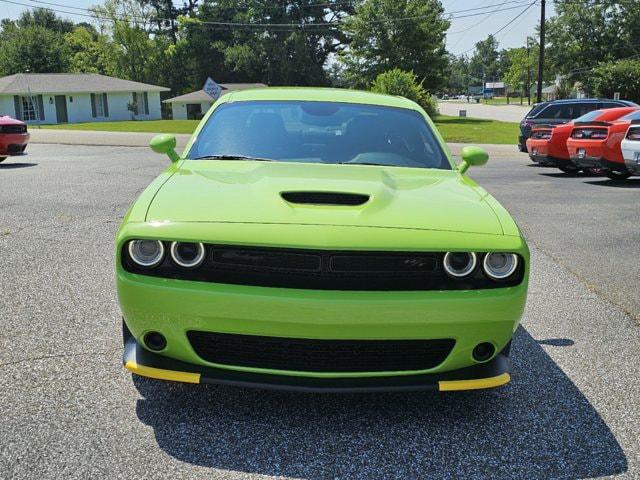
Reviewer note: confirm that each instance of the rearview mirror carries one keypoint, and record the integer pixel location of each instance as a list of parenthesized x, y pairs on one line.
[(165, 143), (472, 156)]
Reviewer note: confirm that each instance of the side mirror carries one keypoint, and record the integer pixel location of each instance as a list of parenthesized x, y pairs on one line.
[(472, 156), (165, 143)]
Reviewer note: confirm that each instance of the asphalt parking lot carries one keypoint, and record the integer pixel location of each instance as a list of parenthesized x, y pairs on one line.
[(69, 410)]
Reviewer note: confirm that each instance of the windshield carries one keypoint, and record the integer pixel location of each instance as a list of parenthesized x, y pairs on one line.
[(632, 116), (536, 108), (319, 132), (587, 117)]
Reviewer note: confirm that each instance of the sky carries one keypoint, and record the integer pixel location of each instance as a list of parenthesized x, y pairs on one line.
[(462, 36)]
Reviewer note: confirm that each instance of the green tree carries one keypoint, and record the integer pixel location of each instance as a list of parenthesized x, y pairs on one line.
[(378, 41), (458, 74), (484, 64), (32, 48), (523, 68), (405, 84), (45, 19), (89, 51), (622, 76), (128, 23), (585, 32), (282, 55)]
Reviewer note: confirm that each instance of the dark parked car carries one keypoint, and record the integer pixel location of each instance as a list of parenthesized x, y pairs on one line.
[(562, 111)]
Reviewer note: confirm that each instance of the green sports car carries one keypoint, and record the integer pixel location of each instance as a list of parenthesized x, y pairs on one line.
[(320, 240)]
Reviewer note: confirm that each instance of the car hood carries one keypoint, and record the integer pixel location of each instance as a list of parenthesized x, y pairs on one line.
[(6, 120), (252, 192)]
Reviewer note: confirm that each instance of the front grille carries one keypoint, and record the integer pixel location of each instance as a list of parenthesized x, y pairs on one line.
[(13, 128), (322, 269), (310, 355), (16, 149), (325, 198)]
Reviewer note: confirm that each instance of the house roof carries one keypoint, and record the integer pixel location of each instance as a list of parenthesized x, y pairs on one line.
[(202, 96), (21, 83)]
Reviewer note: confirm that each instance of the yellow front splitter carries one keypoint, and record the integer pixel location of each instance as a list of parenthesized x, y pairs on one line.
[(147, 364)]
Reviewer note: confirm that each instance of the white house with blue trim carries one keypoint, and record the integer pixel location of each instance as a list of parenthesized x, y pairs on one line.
[(77, 97)]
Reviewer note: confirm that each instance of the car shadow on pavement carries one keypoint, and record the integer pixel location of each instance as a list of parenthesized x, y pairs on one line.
[(630, 183), (539, 426), (9, 166)]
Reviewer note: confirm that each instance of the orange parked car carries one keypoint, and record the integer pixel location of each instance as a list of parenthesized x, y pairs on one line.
[(548, 143), (598, 144)]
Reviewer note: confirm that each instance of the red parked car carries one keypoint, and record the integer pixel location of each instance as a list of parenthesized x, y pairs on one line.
[(13, 137), (548, 143), (597, 144)]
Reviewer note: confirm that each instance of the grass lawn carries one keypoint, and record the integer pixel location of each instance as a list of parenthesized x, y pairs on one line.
[(476, 130), (453, 129), (150, 126)]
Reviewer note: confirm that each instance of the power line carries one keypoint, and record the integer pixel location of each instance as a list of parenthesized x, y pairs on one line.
[(504, 26), (91, 14), (476, 23)]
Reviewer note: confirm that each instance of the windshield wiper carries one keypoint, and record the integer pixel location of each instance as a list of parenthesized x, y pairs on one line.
[(233, 157), (366, 163)]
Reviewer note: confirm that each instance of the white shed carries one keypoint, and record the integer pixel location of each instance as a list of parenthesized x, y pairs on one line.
[(192, 106)]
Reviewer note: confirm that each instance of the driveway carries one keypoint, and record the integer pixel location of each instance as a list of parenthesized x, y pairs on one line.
[(505, 113), (69, 410)]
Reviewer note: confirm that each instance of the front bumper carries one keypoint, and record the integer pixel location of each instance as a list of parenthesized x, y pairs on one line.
[(175, 307), (587, 161), (544, 160), (13, 143), (147, 364)]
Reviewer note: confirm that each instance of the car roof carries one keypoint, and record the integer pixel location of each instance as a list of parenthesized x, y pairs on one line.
[(341, 95), (614, 113), (591, 100)]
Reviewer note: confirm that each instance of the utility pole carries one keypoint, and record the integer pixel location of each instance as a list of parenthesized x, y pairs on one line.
[(528, 74), (541, 58)]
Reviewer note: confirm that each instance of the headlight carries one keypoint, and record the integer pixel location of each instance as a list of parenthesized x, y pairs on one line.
[(187, 255), (460, 264), (499, 266), (146, 253)]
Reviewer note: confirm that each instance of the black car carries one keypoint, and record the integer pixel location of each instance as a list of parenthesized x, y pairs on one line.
[(562, 111)]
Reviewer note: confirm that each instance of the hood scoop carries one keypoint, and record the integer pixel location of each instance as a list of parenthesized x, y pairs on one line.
[(325, 198)]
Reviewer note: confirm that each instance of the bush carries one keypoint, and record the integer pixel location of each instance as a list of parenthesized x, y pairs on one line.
[(404, 84), (622, 76)]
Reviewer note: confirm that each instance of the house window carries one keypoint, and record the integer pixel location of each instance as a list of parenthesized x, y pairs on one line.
[(28, 109), (142, 106), (99, 105)]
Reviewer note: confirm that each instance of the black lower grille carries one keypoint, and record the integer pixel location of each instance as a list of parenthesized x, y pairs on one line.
[(16, 148), (310, 355)]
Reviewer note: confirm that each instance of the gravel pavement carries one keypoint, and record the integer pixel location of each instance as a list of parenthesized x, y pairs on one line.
[(69, 410)]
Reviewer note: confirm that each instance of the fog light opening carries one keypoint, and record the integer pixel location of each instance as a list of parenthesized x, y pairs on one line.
[(155, 341), (483, 352)]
